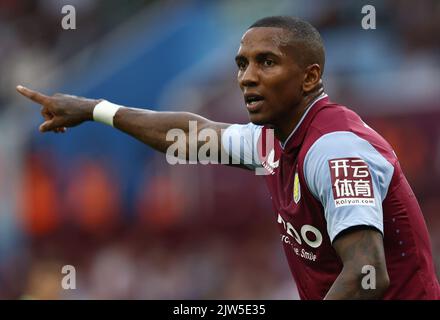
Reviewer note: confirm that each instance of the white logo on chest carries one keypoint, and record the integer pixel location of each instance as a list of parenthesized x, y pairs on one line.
[(302, 236)]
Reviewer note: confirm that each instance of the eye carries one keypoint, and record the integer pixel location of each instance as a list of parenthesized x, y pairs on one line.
[(241, 65), (268, 63)]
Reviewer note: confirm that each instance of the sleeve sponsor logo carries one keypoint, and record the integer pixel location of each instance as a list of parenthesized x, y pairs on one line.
[(351, 182)]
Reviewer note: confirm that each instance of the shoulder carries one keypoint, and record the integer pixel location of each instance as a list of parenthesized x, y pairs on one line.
[(344, 144), (337, 127), (335, 117)]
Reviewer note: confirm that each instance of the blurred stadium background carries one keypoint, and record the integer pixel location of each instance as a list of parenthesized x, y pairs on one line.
[(135, 227)]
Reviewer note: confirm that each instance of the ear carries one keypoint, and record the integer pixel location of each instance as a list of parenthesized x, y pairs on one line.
[(312, 78)]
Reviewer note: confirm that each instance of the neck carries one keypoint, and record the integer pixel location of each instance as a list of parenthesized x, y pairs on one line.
[(282, 132)]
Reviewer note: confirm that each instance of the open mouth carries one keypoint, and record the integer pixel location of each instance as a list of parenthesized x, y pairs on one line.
[(252, 99)]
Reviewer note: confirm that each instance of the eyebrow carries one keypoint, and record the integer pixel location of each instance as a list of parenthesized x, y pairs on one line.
[(240, 57)]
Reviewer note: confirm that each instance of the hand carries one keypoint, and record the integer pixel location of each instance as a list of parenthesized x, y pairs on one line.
[(61, 111)]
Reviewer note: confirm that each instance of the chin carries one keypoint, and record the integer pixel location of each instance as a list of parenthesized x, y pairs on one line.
[(258, 119)]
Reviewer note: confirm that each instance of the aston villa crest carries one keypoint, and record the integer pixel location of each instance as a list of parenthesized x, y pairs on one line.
[(296, 188)]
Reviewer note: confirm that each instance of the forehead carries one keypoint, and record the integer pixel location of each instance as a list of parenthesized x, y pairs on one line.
[(264, 39)]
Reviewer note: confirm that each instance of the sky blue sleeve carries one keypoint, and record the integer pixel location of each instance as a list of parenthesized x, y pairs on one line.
[(240, 143), (350, 178)]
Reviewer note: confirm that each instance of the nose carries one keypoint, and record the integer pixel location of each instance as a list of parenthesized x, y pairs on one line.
[(248, 77)]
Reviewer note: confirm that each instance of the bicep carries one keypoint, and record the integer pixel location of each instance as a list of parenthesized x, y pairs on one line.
[(364, 274), (360, 246)]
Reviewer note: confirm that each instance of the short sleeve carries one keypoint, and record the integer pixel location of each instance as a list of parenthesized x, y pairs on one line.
[(350, 178), (240, 142)]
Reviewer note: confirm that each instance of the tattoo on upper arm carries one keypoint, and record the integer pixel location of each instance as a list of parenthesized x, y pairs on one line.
[(362, 255), (362, 245)]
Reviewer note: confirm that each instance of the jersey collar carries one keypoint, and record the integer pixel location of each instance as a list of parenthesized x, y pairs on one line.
[(322, 99)]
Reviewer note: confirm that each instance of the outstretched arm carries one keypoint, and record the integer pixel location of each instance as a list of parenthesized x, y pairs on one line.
[(61, 111), (364, 274), (151, 127)]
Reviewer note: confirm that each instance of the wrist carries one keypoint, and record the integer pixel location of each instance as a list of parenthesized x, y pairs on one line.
[(104, 111), (89, 107)]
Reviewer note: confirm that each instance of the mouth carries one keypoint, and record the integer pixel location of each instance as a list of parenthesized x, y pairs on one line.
[(253, 102)]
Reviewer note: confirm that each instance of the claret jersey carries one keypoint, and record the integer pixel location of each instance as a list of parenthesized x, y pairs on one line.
[(332, 173)]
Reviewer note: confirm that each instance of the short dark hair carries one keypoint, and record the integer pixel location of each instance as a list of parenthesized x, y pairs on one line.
[(302, 33)]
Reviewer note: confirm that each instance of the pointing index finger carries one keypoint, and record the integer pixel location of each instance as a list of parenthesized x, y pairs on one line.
[(33, 95)]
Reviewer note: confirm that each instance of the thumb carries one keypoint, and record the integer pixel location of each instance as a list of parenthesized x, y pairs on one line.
[(49, 125)]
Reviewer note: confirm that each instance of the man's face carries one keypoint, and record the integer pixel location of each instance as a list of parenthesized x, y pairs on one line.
[(269, 76)]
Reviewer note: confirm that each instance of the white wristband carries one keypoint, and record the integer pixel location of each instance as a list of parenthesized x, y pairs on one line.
[(105, 111)]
